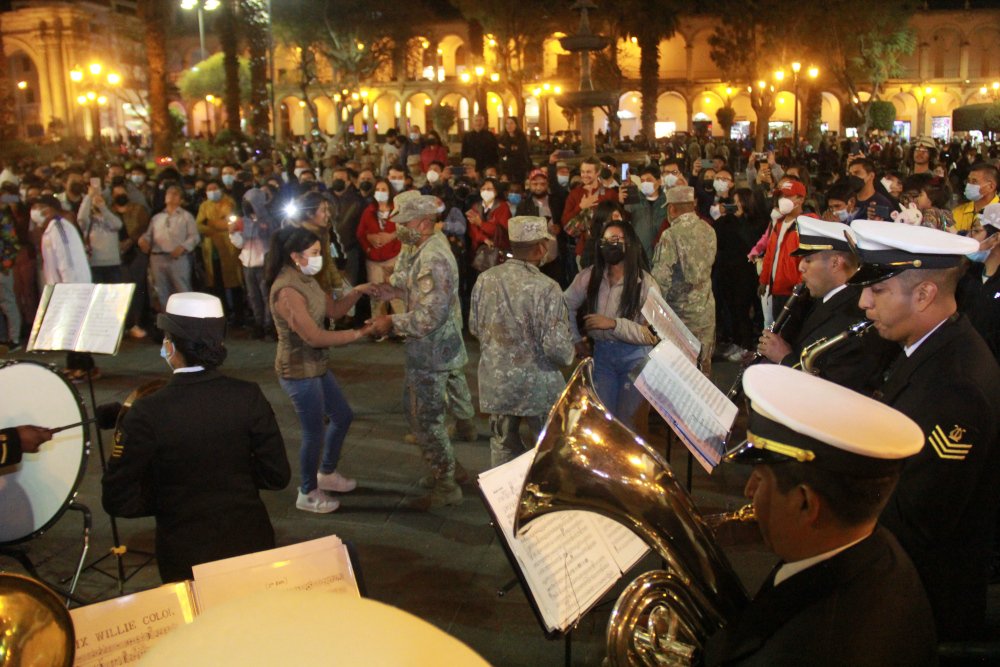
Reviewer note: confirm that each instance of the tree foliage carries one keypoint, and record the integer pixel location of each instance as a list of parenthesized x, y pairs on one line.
[(154, 15), (209, 78), (881, 115), (255, 26), (991, 118)]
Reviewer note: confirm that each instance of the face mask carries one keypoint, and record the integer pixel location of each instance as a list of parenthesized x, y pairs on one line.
[(76, 189), (214, 195), (8, 199), (785, 205), (338, 185), (366, 186), (856, 183), (972, 192), (433, 176), (408, 236), (164, 355), (213, 171), (24, 193), (715, 211), (613, 253), (487, 196), (298, 171), (647, 188), (670, 180), (978, 256), (138, 179), (37, 216), (775, 214), (843, 215), (397, 185), (414, 136), (228, 180), (605, 174), (887, 184), (562, 179), (381, 196), (189, 192), (721, 187), (236, 238), (314, 266), (514, 198), (121, 200)]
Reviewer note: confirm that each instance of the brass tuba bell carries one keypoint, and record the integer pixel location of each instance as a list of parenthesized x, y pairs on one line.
[(588, 460)]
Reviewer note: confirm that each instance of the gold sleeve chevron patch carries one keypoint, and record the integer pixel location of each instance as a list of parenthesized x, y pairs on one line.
[(949, 446)]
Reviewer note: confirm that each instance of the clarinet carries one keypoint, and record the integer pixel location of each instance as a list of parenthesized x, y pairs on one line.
[(777, 325)]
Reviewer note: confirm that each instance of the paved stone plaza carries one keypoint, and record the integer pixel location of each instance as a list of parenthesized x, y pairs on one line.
[(446, 566)]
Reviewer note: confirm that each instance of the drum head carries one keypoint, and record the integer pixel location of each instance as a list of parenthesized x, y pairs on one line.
[(34, 493), (35, 627)]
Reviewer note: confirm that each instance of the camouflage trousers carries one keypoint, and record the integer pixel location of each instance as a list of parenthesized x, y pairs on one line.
[(424, 396), (459, 396), (505, 436)]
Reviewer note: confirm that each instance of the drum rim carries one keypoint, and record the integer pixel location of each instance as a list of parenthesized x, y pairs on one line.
[(85, 455)]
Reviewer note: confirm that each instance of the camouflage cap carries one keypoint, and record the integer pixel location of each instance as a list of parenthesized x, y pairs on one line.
[(680, 194), (399, 199), (412, 208), (528, 229), (926, 142)]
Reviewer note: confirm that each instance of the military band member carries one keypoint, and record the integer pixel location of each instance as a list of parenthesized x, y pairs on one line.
[(432, 325), (196, 453), (24, 439), (844, 591), (521, 320), (944, 510), (827, 263)]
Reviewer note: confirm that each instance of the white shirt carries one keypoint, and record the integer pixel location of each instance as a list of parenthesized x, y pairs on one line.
[(829, 295), (189, 369), (909, 350), (64, 259), (789, 570)]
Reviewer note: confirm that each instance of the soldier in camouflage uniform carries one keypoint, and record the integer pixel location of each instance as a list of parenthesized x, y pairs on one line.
[(432, 325), (682, 266), (522, 323)]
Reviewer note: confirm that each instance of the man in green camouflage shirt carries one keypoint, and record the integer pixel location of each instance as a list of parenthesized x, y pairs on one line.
[(519, 315), (432, 325)]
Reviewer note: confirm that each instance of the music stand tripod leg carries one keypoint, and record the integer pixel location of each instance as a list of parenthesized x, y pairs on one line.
[(87, 524)]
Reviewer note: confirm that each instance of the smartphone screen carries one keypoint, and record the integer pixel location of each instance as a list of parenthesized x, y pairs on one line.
[(624, 172)]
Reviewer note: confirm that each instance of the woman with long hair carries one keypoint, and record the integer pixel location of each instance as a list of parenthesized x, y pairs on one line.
[(515, 160), (603, 213), (488, 218), (377, 237), (299, 305), (312, 211), (434, 150), (612, 292)]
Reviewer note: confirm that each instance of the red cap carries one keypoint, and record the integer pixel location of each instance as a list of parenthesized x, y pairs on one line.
[(538, 173), (792, 188)]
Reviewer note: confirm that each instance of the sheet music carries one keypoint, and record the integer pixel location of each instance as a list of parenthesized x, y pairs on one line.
[(64, 316), (669, 326), (121, 630), (321, 565), (101, 331), (569, 559), (694, 407)]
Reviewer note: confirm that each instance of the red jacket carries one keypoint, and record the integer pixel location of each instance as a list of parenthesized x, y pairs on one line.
[(787, 276), (370, 224), (497, 217), (431, 154), (573, 207)]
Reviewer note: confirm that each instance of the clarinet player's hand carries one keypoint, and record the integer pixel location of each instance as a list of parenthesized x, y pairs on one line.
[(773, 347)]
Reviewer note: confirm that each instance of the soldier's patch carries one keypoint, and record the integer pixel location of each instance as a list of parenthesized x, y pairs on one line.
[(425, 283), (119, 447), (950, 446)]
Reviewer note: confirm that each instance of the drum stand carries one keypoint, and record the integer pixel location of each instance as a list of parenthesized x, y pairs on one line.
[(118, 550)]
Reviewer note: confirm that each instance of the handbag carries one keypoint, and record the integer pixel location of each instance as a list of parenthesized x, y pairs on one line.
[(486, 256)]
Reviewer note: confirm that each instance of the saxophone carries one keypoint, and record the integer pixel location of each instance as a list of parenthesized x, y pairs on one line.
[(807, 360)]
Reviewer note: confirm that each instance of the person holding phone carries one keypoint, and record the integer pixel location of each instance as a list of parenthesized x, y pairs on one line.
[(872, 205), (648, 213), (100, 227)]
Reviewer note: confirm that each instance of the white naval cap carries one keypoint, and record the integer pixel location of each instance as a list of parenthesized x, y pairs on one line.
[(193, 316), (795, 416), (816, 235), (889, 248)]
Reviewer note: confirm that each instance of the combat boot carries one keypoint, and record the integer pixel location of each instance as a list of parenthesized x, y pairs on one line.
[(462, 477), (445, 492)]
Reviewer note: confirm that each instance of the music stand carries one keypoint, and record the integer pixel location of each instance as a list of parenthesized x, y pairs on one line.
[(88, 318)]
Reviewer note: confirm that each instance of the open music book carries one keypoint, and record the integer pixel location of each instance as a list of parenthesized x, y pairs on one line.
[(81, 317), (566, 561), (696, 410), (669, 326), (121, 630)]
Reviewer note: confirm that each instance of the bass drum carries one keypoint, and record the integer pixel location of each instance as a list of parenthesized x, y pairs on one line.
[(35, 492)]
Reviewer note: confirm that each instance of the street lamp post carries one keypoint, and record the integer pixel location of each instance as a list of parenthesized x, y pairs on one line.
[(93, 95), (201, 6), (796, 66)]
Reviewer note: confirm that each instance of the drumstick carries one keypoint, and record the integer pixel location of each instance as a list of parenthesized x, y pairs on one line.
[(68, 426)]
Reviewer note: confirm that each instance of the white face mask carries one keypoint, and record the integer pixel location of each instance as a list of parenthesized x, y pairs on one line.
[(37, 216), (381, 196), (715, 211), (433, 176), (775, 214), (785, 205), (887, 184), (314, 266), (563, 179), (214, 195), (647, 188), (397, 185), (299, 171), (414, 136), (487, 195), (670, 180), (721, 187), (138, 179)]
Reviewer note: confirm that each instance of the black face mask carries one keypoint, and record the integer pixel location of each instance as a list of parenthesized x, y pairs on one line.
[(366, 186), (856, 183), (338, 185), (613, 253), (121, 200), (707, 185), (76, 189), (605, 174)]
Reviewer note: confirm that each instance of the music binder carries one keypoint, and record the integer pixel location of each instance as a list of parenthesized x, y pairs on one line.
[(566, 561), (121, 630), (81, 317)]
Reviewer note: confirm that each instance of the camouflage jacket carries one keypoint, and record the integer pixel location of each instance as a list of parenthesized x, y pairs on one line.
[(682, 266), (432, 322), (522, 323)]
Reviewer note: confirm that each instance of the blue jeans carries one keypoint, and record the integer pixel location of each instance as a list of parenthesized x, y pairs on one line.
[(613, 365), (313, 399)]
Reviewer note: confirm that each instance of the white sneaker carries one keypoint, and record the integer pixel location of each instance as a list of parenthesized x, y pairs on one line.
[(316, 501), (335, 482), (736, 355)]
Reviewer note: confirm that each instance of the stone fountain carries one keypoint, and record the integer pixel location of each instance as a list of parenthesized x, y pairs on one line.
[(584, 100)]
